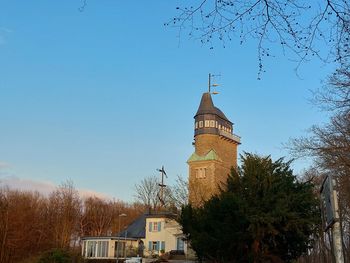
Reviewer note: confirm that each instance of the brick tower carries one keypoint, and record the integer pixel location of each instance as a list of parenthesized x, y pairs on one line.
[(215, 151)]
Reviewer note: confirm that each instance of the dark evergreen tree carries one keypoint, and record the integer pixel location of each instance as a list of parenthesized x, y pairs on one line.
[(262, 214)]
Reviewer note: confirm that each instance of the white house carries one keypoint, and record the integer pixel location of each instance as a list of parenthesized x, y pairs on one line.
[(163, 234), (150, 234)]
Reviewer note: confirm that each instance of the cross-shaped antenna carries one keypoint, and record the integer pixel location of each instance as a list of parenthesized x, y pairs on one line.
[(162, 185)]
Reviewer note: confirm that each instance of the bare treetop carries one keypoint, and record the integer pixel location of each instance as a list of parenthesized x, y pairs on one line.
[(307, 28)]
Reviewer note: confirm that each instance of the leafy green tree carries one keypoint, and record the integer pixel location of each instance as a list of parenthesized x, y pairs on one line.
[(262, 214)]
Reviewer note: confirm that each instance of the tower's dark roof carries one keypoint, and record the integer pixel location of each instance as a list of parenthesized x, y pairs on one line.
[(207, 107)]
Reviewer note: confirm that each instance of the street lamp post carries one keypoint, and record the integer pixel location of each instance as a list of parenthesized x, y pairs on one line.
[(118, 240), (126, 233)]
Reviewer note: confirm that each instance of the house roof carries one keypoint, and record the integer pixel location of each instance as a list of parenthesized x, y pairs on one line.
[(106, 238), (136, 229), (161, 214)]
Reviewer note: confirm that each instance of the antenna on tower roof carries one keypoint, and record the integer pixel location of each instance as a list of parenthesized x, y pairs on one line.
[(211, 76)]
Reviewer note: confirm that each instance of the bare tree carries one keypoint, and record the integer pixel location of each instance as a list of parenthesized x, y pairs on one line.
[(303, 27), (335, 95), (64, 213), (22, 225), (329, 144), (4, 226), (97, 217), (180, 192), (146, 192), (31, 223)]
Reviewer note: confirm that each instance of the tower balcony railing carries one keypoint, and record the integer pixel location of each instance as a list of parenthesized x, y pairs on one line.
[(230, 136)]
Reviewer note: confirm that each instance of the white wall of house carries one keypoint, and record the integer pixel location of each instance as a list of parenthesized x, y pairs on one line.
[(162, 235)]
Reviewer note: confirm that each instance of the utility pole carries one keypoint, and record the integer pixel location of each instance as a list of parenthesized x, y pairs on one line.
[(336, 232), (118, 240), (330, 209)]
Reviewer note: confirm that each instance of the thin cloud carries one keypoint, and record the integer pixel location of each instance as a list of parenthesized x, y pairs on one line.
[(6, 30), (43, 187), (3, 32), (4, 165)]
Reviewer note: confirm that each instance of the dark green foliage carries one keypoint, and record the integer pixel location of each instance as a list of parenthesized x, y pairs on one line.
[(58, 256), (263, 214)]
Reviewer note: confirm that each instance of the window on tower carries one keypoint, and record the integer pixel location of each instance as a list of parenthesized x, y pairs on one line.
[(206, 123), (201, 173), (212, 124), (196, 125), (200, 124)]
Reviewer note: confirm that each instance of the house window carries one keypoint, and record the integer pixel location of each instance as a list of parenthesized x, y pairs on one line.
[(200, 124), (91, 249), (102, 249), (154, 245), (154, 226), (206, 123), (94, 249)]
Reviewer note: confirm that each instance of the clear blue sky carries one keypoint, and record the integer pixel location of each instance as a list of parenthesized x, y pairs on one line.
[(106, 96)]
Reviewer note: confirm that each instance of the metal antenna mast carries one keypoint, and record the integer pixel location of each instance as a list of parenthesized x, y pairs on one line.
[(212, 85), (162, 185), (209, 84)]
